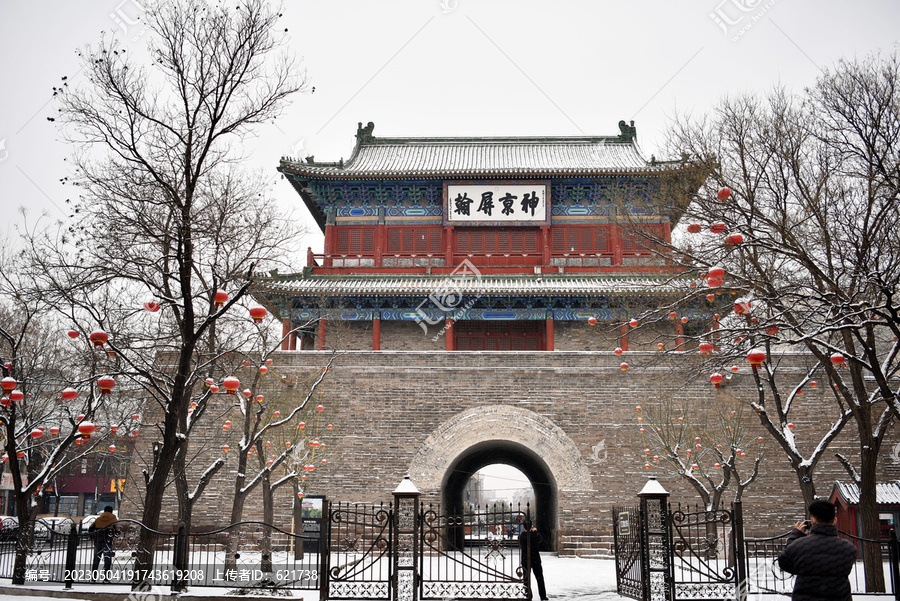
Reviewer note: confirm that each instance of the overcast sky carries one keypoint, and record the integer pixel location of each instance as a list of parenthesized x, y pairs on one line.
[(450, 68)]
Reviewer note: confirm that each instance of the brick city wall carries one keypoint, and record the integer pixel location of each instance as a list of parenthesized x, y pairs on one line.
[(418, 412)]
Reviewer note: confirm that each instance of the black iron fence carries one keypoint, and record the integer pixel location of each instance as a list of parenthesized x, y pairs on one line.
[(764, 575), (242, 555)]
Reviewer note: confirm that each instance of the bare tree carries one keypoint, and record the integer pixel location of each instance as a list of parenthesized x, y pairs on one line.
[(165, 216), (805, 188)]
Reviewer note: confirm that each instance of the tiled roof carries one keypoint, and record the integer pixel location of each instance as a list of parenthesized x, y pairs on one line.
[(414, 285), (379, 157), (886, 493)]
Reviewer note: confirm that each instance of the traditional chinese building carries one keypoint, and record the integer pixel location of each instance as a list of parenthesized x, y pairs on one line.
[(480, 243)]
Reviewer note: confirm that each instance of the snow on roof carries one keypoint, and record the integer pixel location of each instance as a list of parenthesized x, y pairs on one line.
[(887, 493)]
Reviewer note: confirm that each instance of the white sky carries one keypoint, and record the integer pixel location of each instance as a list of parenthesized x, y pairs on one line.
[(450, 68)]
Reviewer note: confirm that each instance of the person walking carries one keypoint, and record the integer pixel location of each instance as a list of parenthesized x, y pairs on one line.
[(821, 560), (104, 531), (529, 543)]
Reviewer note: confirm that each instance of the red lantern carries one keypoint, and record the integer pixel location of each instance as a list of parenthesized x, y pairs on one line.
[(710, 297), (277, 413), (8, 384), (231, 384), (20, 454), (633, 323), (660, 346), (734, 238), (214, 389), (756, 357), (623, 367), (734, 369), (151, 306), (790, 426), (320, 407), (314, 442), (16, 395), (226, 448), (837, 359), (714, 282), (209, 382), (136, 417), (742, 308), (106, 384), (112, 448), (114, 429), (247, 393), (618, 351), (716, 379), (694, 228), (724, 194), (718, 228), (772, 330), (257, 313), (300, 494), (36, 433), (5, 458), (54, 430), (705, 348), (263, 369), (86, 429), (716, 272), (592, 321), (221, 298), (673, 315), (260, 398), (324, 462), (684, 320), (813, 384), (301, 425), (99, 338), (73, 334)]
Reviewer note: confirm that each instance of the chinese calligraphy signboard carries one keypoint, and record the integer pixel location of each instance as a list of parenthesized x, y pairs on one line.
[(505, 203)]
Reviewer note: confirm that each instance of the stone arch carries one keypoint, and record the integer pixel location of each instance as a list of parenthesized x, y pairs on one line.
[(483, 436)]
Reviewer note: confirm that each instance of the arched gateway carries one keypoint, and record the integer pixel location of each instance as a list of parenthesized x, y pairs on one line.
[(518, 437)]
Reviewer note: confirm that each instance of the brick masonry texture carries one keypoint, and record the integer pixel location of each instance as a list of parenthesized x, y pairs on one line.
[(420, 411)]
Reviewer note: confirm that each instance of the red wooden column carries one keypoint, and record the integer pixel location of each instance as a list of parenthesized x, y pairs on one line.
[(285, 330), (448, 336), (448, 246), (376, 334), (615, 233), (293, 345), (623, 337), (679, 336), (549, 345), (320, 344)]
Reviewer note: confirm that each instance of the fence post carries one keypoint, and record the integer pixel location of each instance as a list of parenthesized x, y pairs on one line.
[(740, 551), (657, 561), (179, 560), (71, 554), (894, 556), (324, 549), (404, 568)]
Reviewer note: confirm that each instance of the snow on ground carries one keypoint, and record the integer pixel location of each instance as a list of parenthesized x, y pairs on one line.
[(566, 578)]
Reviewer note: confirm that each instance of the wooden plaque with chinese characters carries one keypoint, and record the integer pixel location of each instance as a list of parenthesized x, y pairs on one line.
[(500, 203)]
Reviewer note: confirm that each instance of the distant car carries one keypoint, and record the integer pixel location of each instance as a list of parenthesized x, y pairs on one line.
[(44, 527), (87, 521)]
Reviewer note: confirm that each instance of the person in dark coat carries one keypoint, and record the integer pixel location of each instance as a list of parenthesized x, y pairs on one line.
[(529, 543), (104, 531), (821, 560)]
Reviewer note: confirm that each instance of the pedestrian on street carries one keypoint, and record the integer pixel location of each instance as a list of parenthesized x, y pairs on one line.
[(104, 531), (821, 560), (529, 543)]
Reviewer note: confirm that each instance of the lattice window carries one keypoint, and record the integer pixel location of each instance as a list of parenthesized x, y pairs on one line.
[(642, 239), (420, 240), (475, 241), (581, 239), (355, 240)]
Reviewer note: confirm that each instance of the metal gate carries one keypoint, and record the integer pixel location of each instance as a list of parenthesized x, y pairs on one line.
[(707, 557), (358, 557), (407, 552), (627, 538), (665, 555), (472, 556)]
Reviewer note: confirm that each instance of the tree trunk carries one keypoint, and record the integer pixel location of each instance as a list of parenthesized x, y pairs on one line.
[(868, 513), (268, 518)]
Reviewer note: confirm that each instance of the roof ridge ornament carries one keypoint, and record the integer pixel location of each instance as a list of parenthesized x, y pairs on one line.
[(629, 132), (364, 134)]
